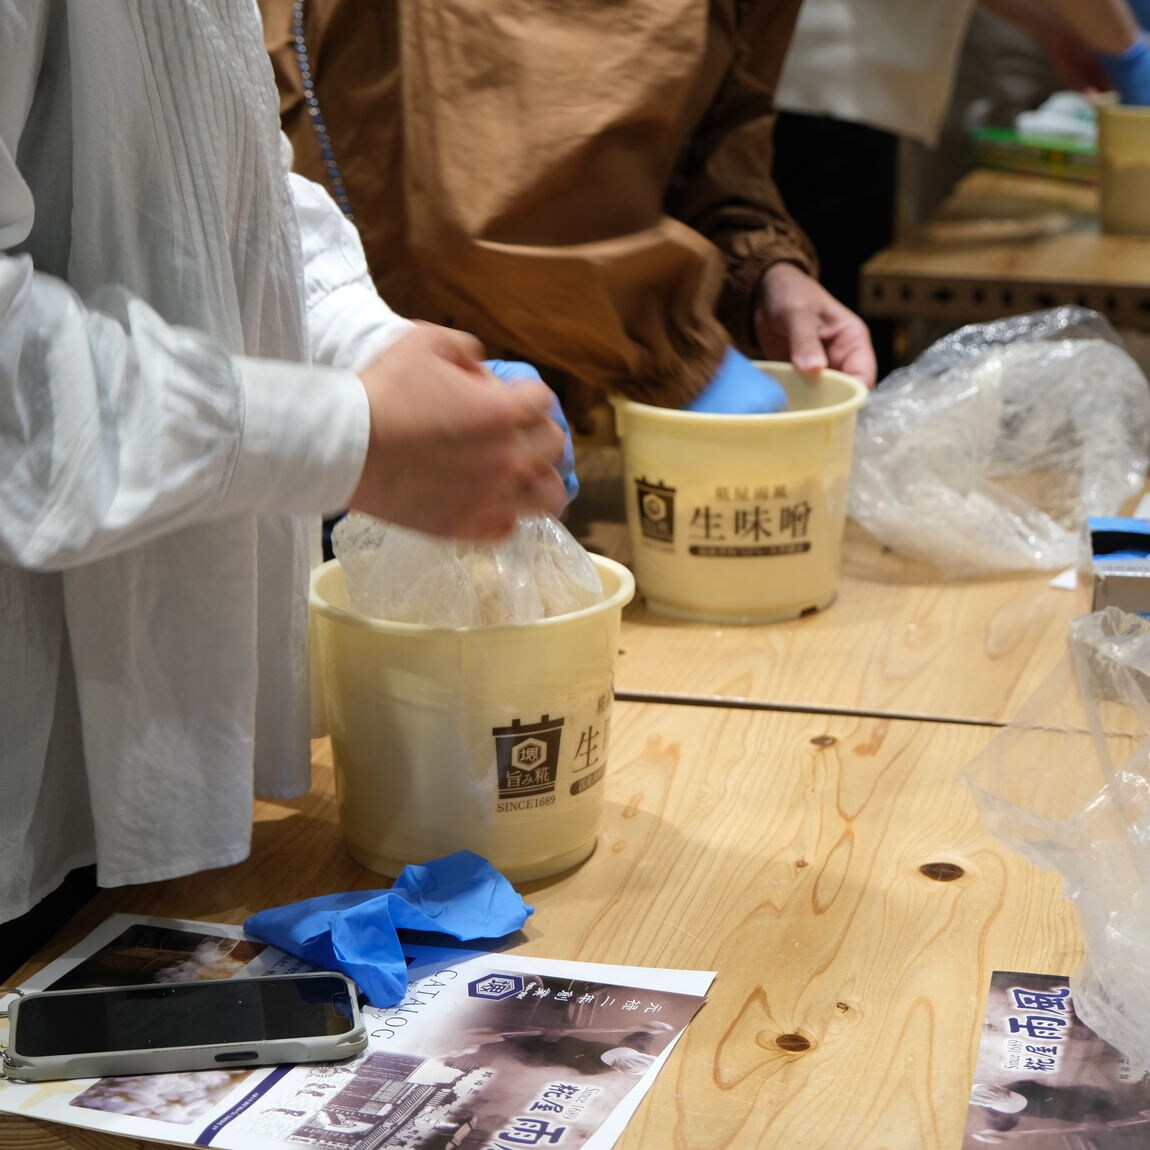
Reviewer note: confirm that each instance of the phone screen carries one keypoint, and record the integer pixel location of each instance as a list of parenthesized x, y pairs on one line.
[(182, 1014)]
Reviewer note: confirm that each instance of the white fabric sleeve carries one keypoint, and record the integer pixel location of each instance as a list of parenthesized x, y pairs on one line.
[(348, 323), (21, 48), (116, 427), (311, 465)]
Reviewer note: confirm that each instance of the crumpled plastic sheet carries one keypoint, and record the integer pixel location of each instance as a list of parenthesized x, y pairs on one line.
[(1067, 785), (989, 451), (405, 576)]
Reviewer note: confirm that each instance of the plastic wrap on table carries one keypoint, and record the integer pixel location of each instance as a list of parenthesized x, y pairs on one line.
[(1067, 784), (989, 451), (405, 576)]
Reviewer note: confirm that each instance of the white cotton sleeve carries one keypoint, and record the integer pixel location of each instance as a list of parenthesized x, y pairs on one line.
[(116, 427), (308, 468), (348, 323), (20, 50)]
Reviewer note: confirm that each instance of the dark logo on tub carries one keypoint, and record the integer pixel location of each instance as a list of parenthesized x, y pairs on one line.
[(656, 510), (527, 760)]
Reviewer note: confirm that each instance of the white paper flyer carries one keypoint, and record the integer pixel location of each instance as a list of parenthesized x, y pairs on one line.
[(488, 1051)]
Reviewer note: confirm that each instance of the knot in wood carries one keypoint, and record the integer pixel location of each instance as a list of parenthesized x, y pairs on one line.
[(794, 1043)]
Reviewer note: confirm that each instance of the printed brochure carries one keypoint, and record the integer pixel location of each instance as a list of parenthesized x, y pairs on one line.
[(1045, 1081), (488, 1051)]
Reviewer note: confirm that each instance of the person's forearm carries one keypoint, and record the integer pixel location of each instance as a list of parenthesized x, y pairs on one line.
[(1106, 25), (724, 187)]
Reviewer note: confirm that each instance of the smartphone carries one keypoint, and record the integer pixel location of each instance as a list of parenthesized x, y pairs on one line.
[(165, 1027)]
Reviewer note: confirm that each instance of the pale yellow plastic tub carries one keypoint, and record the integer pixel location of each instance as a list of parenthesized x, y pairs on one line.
[(486, 739), (1124, 169), (740, 518)]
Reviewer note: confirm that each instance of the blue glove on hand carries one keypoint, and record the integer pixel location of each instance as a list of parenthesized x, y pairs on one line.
[(512, 371), (1130, 73), (739, 388)]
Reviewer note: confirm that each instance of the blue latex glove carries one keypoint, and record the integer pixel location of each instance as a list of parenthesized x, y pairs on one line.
[(739, 388), (1130, 73), (461, 895), (510, 371)]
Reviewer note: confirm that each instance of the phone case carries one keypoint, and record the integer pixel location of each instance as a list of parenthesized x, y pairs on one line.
[(167, 1060)]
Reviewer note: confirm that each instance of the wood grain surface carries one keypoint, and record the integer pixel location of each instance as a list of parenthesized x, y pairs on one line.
[(787, 853), (900, 638)]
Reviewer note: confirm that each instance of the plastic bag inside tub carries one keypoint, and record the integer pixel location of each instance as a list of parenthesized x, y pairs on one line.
[(1067, 784), (988, 452), (405, 576)]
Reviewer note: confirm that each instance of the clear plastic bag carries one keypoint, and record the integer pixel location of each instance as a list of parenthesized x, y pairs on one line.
[(1067, 784), (989, 451), (405, 576)]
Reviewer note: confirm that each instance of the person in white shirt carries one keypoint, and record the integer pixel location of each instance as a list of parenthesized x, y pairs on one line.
[(194, 367)]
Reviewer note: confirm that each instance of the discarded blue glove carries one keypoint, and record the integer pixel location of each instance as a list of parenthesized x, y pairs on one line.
[(739, 388), (511, 371), (461, 895), (1129, 72)]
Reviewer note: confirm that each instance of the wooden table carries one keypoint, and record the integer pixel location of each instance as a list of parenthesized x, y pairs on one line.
[(791, 853), (1004, 244), (899, 646), (897, 641), (791, 829)]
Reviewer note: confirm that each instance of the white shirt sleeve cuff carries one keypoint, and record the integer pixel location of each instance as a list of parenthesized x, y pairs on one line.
[(304, 439)]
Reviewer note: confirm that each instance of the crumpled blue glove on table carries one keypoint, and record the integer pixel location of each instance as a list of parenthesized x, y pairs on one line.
[(461, 895), (1130, 73), (739, 388), (511, 371)]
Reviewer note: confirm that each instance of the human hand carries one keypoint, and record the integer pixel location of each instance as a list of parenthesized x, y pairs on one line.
[(452, 451), (739, 388), (513, 372), (799, 320)]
